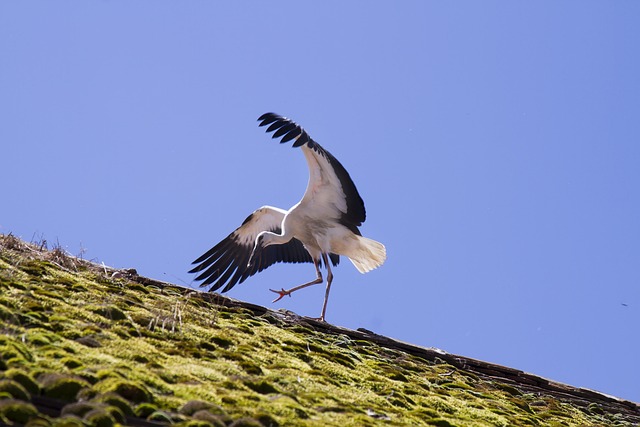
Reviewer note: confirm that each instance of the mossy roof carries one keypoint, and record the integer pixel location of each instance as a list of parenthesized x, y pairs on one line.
[(83, 344)]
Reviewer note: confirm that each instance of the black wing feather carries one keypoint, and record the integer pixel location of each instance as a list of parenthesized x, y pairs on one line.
[(284, 129), (303, 139), (275, 126), (225, 264), (290, 135), (356, 213), (268, 118)]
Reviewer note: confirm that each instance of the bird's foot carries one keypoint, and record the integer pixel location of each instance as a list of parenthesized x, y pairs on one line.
[(281, 293)]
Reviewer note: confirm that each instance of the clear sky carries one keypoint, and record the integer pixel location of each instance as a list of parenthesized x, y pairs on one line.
[(496, 146)]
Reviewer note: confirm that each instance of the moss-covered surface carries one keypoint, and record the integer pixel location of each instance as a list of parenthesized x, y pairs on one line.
[(81, 345)]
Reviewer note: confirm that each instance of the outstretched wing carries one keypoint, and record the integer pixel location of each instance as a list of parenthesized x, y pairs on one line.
[(330, 186), (226, 262)]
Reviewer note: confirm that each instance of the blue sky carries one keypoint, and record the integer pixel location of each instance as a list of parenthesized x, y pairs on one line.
[(496, 146)]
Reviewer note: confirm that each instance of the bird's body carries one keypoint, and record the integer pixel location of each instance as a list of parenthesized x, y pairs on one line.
[(318, 229)]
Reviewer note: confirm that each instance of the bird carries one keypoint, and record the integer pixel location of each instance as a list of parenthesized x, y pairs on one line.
[(318, 229)]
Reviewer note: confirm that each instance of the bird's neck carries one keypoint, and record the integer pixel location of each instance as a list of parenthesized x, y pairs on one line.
[(275, 239)]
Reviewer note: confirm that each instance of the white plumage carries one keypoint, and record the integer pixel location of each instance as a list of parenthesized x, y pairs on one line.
[(318, 229)]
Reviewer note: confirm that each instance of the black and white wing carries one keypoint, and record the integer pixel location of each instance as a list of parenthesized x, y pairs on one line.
[(226, 262), (331, 191)]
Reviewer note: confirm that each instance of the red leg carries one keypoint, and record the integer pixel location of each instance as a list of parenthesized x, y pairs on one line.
[(329, 280), (282, 293)]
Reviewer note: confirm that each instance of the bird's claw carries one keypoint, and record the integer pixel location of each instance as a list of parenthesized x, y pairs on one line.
[(281, 293)]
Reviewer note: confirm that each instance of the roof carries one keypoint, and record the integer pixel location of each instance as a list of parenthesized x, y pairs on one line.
[(84, 341)]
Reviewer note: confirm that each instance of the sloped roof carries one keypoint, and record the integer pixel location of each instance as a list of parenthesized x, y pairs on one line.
[(85, 342)]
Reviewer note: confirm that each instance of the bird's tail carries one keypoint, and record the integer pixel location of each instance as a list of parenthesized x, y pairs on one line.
[(368, 255)]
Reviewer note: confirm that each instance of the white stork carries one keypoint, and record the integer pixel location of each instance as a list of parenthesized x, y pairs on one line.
[(321, 227)]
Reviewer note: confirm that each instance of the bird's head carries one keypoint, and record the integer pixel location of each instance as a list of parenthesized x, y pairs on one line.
[(262, 241)]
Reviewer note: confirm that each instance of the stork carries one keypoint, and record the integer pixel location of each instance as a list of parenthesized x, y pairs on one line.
[(318, 229)]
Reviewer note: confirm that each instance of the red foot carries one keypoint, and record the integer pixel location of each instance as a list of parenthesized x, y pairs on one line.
[(281, 293)]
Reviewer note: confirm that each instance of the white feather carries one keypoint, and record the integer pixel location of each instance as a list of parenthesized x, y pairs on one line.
[(265, 218), (325, 223)]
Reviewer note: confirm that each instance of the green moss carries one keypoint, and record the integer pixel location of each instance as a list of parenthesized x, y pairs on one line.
[(140, 358), (250, 367), (61, 386), (194, 423), (509, 389), (215, 420), (24, 379), (39, 337), (36, 317), (266, 419), (246, 422), (221, 341), (15, 389), (16, 411), (49, 292), (99, 418), (457, 385), (173, 356), (68, 421), (34, 267), (194, 406), (110, 312), (87, 375), (88, 341), (39, 421), (161, 416), (138, 288), (78, 409), (262, 387), (116, 413), (71, 363), (440, 422), (143, 410), (594, 408), (230, 355), (115, 400), (15, 352), (129, 390)]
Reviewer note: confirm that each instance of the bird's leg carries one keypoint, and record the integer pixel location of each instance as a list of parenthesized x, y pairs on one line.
[(329, 280), (282, 293)]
